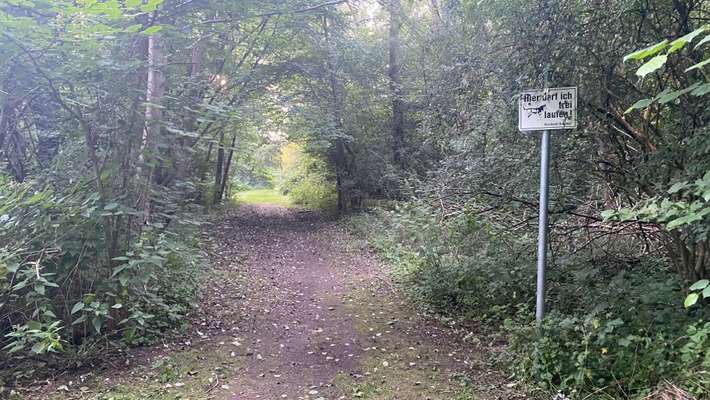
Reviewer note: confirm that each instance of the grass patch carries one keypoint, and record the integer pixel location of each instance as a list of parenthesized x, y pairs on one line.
[(397, 364), (263, 196), (192, 374)]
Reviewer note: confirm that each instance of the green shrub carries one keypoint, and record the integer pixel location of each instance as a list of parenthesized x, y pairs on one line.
[(305, 178), (313, 191), (158, 280), (610, 356), (615, 329), (605, 355), (461, 266), (61, 292)]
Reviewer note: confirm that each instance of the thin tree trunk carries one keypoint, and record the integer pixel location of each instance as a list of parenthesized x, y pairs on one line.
[(5, 115), (155, 88), (337, 94), (396, 82), (225, 175), (436, 13), (217, 197)]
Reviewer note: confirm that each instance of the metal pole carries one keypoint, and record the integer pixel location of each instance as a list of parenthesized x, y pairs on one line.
[(542, 225)]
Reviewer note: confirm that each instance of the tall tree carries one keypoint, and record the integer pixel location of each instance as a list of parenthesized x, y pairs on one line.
[(155, 89), (336, 95), (394, 73)]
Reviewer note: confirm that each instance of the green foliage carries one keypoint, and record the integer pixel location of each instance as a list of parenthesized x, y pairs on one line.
[(698, 290), (613, 330), (686, 206), (38, 337), (685, 212), (611, 357), (59, 290), (698, 88), (305, 179), (462, 266)]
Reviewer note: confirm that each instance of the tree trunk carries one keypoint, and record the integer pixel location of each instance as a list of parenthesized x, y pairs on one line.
[(435, 14), (225, 175), (217, 196), (155, 88), (7, 133), (6, 114), (337, 96), (396, 82)]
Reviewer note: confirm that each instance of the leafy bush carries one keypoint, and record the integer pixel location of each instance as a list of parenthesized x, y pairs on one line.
[(615, 330), (305, 179), (461, 265), (59, 290), (610, 356), (580, 355)]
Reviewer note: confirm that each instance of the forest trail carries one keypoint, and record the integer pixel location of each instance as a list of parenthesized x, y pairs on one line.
[(295, 310)]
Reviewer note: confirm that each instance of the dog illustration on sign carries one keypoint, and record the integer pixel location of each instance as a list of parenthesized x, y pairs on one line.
[(534, 110)]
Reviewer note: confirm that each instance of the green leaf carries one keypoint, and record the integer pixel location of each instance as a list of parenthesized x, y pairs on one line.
[(39, 347), (151, 5), (701, 90), (607, 214), (96, 323), (39, 288), (706, 292), (639, 104), (677, 45), (706, 39), (111, 206), (682, 41), (77, 307), (701, 284), (684, 220), (117, 306), (692, 35), (12, 268), (670, 96), (181, 132), (691, 300), (36, 198), (119, 269), (153, 29), (652, 65), (698, 65), (677, 187), (134, 28), (647, 52)]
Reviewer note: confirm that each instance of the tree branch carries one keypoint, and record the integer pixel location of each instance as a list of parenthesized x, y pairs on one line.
[(275, 13)]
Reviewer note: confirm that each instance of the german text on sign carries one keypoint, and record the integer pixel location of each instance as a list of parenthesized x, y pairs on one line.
[(546, 109)]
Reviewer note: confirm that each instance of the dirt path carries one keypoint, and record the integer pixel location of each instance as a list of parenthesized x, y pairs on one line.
[(294, 310), (296, 330)]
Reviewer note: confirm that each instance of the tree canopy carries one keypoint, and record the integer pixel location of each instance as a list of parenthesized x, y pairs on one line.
[(123, 122)]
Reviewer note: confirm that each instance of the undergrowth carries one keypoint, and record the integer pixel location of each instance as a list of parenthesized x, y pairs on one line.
[(65, 300), (614, 330)]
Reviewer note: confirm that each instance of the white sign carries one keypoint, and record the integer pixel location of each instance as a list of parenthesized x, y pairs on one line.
[(546, 109)]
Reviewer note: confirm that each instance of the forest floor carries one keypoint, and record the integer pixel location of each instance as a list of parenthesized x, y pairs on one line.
[(296, 308)]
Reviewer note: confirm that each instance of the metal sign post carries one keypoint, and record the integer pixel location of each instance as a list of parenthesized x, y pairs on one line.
[(542, 224), (545, 110)]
